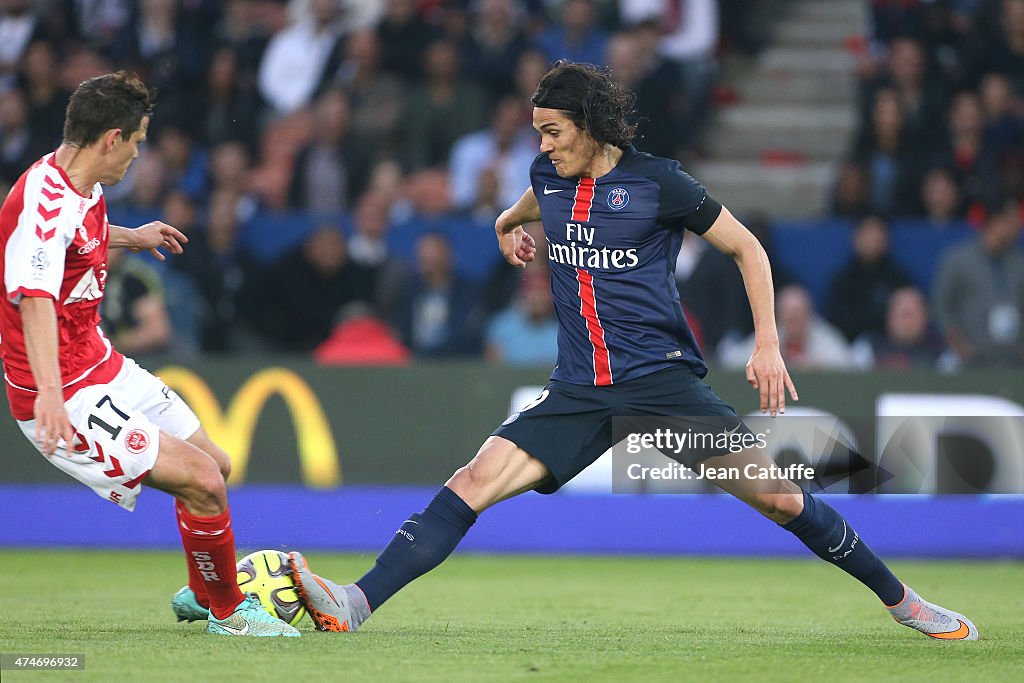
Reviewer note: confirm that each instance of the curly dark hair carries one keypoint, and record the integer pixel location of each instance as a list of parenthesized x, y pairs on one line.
[(591, 98), (116, 100)]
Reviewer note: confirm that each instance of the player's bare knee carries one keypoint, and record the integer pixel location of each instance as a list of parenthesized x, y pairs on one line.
[(208, 492), (468, 484), (205, 493), (203, 442), (778, 507), (222, 460), (788, 506), (480, 480)]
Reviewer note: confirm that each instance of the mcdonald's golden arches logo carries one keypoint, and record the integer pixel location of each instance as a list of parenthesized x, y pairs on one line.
[(233, 430)]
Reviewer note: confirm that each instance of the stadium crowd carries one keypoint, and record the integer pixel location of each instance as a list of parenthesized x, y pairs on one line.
[(376, 138)]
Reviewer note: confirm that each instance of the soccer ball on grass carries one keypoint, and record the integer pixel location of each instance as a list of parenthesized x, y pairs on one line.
[(264, 573)]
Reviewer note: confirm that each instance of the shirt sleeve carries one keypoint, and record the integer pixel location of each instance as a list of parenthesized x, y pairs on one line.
[(684, 203), (34, 257)]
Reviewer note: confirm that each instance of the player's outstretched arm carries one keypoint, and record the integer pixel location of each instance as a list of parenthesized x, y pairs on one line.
[(39, 324), (766, 371), (152, 236), (516, 245)]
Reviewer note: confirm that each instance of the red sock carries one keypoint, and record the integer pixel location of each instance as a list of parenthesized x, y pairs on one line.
[(195, 579), (210, 548)]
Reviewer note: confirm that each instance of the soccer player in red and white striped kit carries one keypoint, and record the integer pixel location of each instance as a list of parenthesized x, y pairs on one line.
[(92, 412)]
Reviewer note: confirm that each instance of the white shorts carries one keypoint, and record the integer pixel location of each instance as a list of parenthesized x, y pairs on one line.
[(118, 429)]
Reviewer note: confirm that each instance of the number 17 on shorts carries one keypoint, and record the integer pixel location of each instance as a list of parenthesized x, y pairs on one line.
[(114, 448)]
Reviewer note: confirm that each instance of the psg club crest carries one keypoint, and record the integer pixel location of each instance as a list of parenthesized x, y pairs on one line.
[(618, 198)]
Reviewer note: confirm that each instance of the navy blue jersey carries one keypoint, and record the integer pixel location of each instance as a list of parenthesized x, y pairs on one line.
[(612, 246)]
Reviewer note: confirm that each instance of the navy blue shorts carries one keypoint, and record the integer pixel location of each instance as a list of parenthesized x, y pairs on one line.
[(569, 426)]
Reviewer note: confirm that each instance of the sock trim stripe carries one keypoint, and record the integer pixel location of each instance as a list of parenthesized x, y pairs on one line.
[(901, 599)]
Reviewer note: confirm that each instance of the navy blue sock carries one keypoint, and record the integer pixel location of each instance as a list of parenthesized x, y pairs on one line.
[(828, 535), (422, 543)]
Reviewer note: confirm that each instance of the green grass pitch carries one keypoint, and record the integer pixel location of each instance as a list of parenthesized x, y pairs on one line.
[(509, 618)]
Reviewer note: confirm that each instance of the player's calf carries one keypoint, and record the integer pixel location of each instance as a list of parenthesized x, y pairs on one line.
[(203, 520)]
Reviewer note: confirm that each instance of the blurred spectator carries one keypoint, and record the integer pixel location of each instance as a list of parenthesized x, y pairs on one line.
[(81, 64), (506, 149), (166, 53), (19, 147), (184, 163), (891, 19), (577, 37), (360, 338), (690, 35), (922, 97), (215, 261), (404, 37), (660, 93), (940, 198), (47, 100), (369, 249), (885, 149), (739, 32), (859, 293), (979, 292), (133, 309), (807, 341), (526, 333), (1004, 130), (230, 103), (428, 194), (1004, 118), (295, 59), (713, 291), (966, 150), (1002, 51), (503, 281), (439, 304), (375, 97), (850, 194), (907, 342), (94, 21), (388, 180), (144, 185), (19, 25), (229, 171), (360, 15), (300, 295), (321, 178), (496, 41), (440, 110), (244, 31), (530, 69)]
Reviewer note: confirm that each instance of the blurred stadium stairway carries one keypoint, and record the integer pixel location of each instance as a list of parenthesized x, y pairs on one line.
[(774, 150)]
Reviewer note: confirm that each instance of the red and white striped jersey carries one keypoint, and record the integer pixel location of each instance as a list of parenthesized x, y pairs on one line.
[(54, 244)]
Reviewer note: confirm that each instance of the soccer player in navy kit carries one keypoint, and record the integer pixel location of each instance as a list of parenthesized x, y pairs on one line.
[(614, 220)]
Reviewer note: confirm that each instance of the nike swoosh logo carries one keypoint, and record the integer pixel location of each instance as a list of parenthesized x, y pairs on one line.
[(832, 550), (547, 191), (958, 634), (235, 631)]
